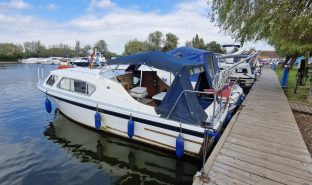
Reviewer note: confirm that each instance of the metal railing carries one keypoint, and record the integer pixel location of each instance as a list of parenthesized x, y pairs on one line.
[(200, 92), (40, 73), (221, 78)]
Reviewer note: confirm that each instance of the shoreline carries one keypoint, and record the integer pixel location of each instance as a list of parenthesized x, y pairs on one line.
[(10, 62)]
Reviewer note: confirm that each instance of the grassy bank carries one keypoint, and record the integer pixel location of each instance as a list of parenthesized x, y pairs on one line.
[(302, 91)]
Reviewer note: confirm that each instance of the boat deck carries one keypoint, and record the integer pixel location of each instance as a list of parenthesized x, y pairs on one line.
[(262, 144)]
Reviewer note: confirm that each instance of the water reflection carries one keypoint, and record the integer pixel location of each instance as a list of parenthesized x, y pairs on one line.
[(127, 162)]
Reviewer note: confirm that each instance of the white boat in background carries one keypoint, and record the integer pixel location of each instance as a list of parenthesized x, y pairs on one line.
[(30, 61), (138, 105), (50, 60), (244, 72), (79, 61), (54, 60)]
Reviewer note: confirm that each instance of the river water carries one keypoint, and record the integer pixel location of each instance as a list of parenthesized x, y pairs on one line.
[(41, 148)]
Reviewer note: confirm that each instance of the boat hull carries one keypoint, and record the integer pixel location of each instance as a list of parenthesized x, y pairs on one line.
[(146, 131)]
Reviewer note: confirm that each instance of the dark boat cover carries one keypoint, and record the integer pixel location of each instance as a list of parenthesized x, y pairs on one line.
[(204, 57), (187, 109)]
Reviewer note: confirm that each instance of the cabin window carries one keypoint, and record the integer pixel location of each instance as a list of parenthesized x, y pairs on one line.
[(80, 86), (52, 79), (76, 86), (90, 89), (65, 83), (241, 70)]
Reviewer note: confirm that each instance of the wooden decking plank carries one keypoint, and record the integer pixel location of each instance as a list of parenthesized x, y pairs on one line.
[(264, 144), (267, 127), (267, 163), (219, 178), (261, 171), (273, 148), (267, 119), (245, 123), (271, 157), (242, 175), (269, 138)]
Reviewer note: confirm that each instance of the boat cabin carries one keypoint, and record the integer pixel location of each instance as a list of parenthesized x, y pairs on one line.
[(139, 75)]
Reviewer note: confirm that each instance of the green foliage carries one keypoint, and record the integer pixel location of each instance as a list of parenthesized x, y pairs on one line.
[(171, 42), (102, 47), (155, 40), (234, 50), (215, 47), (196, 42), (78, 48), (34, 49), (10, 52), (135, 46), (199, 43), (284, 24)]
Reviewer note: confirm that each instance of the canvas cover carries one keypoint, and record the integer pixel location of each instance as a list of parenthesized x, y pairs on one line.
[(200, 56), (187, 109)]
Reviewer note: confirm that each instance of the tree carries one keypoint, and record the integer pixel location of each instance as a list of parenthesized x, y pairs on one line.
[(86, 48), (34, 49), (155, 40), (102, 47), (171, 42), (111, 55), (77, 48), (196, 42), (10, 51), (284, 24), (235, 50), (135, 46), (215, 47)]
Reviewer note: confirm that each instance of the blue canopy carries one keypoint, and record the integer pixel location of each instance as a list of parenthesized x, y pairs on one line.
[(204, 57), (187, 109)]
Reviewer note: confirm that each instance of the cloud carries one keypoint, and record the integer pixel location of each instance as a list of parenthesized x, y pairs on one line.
[(15, 4), (100, 4), (116, 26), (52, 6)]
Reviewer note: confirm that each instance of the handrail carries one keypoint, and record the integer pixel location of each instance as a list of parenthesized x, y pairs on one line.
[(221, 77), (192, 91), (40, 72)]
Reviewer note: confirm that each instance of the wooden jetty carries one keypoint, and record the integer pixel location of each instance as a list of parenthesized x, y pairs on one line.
[(262, 144)]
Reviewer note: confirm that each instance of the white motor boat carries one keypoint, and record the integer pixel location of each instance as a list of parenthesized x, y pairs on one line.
[(138, 105), (243, 72), (30, 61), (54, 60)]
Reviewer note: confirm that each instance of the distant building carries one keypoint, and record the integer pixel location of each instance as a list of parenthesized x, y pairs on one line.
[(267, 55)]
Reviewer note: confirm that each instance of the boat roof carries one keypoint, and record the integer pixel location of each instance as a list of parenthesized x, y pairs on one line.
[(156, 59)]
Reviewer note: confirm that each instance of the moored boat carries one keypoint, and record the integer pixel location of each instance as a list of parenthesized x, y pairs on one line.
[(136, 104), (244, 72)]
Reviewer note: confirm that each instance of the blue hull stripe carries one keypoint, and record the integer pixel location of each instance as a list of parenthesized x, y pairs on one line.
[(141, 120)]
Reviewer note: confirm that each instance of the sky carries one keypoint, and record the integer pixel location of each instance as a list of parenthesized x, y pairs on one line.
[(115, 21)]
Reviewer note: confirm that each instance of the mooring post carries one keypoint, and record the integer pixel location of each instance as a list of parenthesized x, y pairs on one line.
[(285, 76)]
